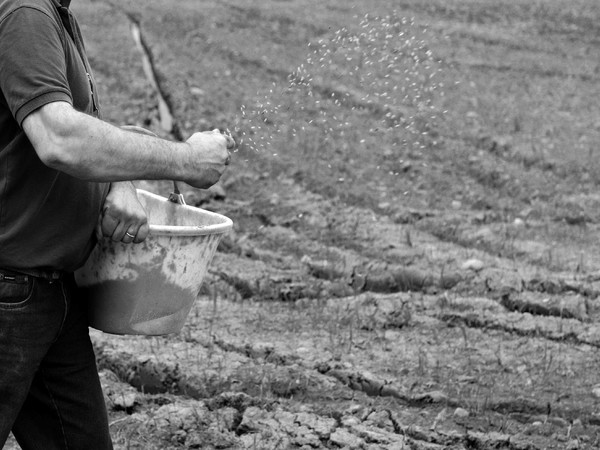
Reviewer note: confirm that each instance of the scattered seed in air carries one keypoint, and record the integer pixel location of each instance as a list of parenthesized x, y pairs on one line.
[(382, 66)]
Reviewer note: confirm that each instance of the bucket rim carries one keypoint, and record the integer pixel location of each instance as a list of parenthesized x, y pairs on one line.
[(191, 230)]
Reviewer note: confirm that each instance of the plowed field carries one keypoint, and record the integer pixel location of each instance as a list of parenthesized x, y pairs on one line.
[(413, 265)]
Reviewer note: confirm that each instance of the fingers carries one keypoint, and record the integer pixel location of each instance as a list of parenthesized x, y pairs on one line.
[(230, 142), (126, 232), (119, 233), (142, 233), (129, 237), (108, 224), (124, 218)]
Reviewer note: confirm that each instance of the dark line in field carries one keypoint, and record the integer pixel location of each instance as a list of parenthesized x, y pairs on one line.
[(157, 81), (268, 355), (373, 388), (536, 309), (474, 321), (162, 91)]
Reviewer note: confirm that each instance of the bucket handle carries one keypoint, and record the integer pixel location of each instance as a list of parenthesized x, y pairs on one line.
[(176, 196)]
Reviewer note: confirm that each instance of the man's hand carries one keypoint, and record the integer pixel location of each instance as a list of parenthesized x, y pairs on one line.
[(213, 157), (123, 217)]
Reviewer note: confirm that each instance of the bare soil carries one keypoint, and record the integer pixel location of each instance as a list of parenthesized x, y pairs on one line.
[(376, 292)]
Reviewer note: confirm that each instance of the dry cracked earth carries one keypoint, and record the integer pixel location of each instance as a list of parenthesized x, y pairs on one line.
[(373, 295)]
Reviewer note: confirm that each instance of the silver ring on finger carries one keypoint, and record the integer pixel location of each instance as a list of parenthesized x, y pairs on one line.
[(127, 233)]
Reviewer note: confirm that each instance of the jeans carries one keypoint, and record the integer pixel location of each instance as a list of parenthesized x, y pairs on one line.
[(50, 394)]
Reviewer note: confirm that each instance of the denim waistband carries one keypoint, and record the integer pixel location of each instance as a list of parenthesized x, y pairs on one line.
[(22, 274)]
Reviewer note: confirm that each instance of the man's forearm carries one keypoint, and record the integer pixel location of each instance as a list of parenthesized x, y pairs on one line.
[(88, 148), (107, 153)]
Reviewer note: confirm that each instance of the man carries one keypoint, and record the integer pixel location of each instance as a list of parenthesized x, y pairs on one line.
[(62, 170)]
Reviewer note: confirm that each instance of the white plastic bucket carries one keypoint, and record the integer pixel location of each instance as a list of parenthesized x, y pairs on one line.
[(149, 288)]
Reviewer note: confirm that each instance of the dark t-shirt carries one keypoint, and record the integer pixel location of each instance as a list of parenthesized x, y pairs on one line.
[(47, 218)]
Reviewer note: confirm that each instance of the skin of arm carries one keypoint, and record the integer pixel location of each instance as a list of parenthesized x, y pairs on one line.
[(90, 149)]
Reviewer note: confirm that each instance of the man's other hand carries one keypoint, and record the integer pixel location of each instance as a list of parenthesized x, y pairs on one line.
[(123, 217)]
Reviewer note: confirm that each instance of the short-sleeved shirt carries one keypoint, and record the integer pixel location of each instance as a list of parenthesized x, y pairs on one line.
[(47, 217)]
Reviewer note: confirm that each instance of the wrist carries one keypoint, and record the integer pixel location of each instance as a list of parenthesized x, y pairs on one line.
[(185, 162)]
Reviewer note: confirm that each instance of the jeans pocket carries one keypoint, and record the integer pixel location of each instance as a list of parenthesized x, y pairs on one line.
[(16, 293)]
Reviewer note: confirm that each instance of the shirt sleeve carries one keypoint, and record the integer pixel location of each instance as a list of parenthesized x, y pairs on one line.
[(33, 68)]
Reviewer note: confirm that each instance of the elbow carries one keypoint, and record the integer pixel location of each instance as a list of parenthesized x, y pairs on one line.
[(61, 151), (56, 156), (57, 134)]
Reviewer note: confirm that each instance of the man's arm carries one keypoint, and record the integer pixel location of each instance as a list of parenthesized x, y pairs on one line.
[(88, 148)]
